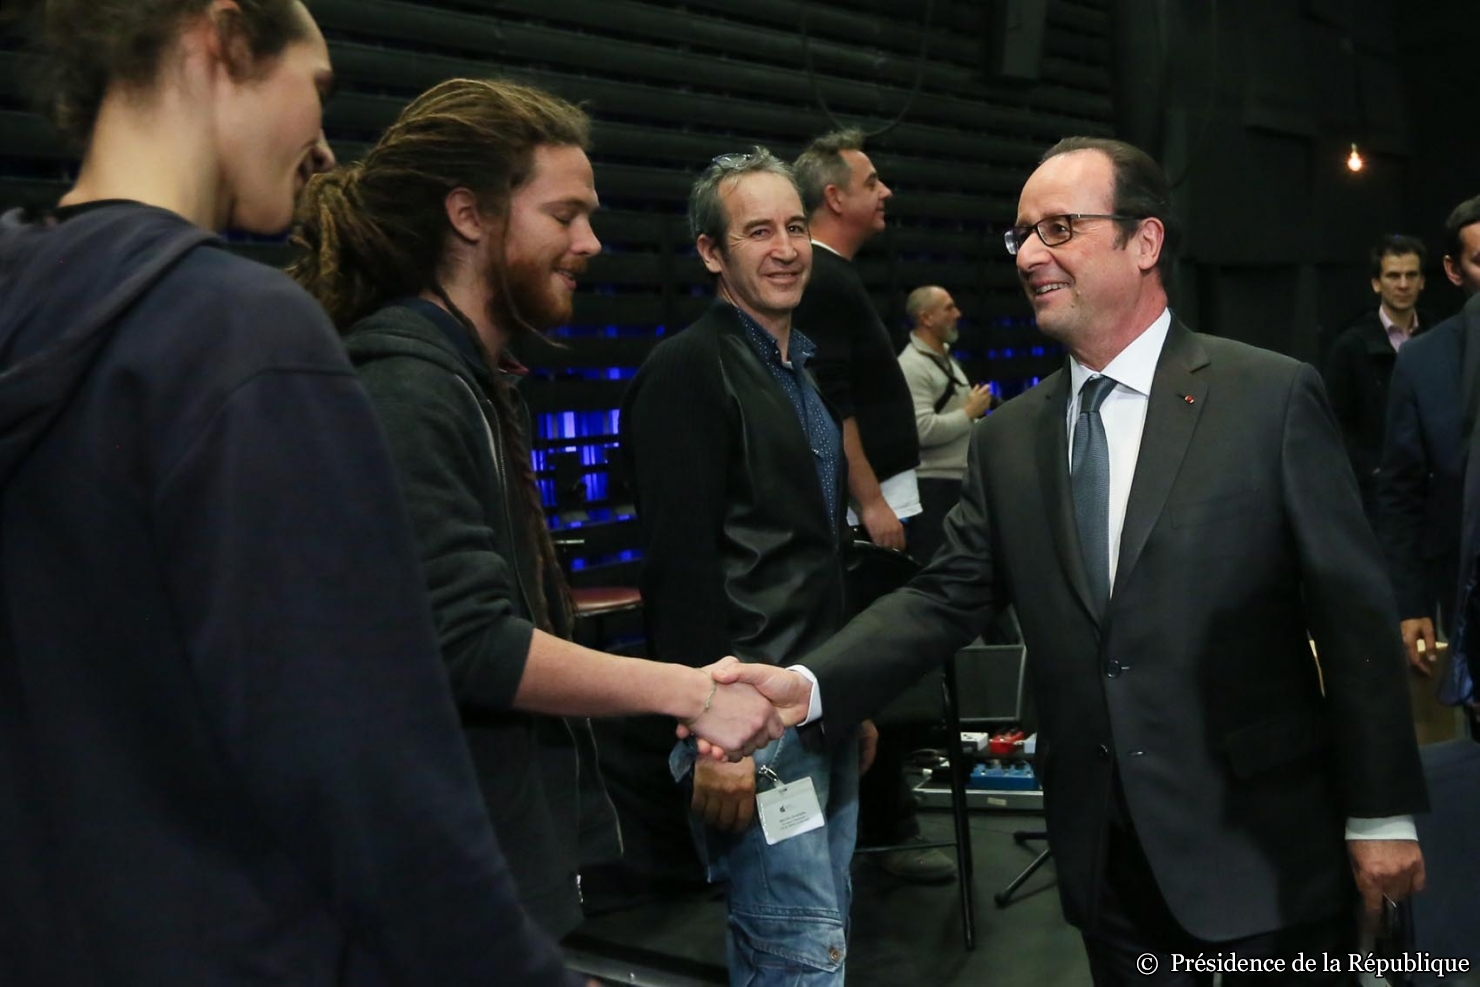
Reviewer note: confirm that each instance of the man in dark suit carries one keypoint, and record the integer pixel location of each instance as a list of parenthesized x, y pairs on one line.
[(1360, 364), (1419, 486), (1465, 643), (1208, 786)]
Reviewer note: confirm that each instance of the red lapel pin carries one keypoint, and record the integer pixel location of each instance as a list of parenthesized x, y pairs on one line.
[(1188, 398)]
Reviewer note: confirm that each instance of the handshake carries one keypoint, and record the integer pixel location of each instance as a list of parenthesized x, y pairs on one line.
[(749, 706)]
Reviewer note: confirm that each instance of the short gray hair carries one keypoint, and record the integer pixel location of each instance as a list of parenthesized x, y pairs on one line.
[(920, 299), (822, 164), (707, 216)]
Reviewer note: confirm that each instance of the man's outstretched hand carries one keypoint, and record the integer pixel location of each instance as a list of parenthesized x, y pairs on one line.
[(739, 720), (789, 693)]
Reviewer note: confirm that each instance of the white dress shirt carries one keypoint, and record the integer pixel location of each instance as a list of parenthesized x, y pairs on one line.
[(1124, 415)]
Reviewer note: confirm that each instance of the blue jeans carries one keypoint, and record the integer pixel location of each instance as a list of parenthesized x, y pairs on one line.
[(788, 903)]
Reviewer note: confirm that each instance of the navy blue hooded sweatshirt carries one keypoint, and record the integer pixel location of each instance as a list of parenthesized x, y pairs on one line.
[(228, 754)]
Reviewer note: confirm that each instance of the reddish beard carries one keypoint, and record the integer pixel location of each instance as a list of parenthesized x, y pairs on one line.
[(523, 297)]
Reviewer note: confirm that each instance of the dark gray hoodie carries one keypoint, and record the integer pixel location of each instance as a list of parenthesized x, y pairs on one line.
[(227, 749)]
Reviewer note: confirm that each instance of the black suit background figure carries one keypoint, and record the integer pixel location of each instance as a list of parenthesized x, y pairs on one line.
[(1463, 643), (1419, 487), (1199, 770)]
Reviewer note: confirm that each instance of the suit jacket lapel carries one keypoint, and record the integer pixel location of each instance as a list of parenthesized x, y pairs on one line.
[(1176, 403), (1052, 447)]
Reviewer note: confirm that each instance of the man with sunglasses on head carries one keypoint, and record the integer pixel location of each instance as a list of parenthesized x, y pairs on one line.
[(739, 479), (1174, 517), (845, 200)]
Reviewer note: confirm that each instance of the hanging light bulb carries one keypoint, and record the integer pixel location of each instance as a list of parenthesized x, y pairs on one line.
[(1354, 161)]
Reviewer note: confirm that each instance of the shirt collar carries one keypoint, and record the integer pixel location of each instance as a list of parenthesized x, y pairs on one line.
[(1392, 326), (819, 243), (800, 348), (1135, 366), (926, 348)]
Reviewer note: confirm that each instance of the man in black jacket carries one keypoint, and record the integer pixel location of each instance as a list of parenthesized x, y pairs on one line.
[(468, 223), (1360, 364), (739, 477), (1420, 484), (1459, 685)]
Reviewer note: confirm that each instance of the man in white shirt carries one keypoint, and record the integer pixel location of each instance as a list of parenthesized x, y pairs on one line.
[(1174, 518)]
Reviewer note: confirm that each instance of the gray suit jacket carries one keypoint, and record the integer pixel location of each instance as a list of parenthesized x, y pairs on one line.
[(1243, 532)]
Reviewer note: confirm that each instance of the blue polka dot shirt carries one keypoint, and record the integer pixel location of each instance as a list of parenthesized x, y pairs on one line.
[(822, 432)]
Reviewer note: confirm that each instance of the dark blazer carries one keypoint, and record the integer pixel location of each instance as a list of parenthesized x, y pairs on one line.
[(1469, 551), (1243, 531), (1357, 374), (739, 554), (1420, 485)]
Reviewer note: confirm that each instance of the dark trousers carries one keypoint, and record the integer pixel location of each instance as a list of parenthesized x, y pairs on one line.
[(886, 806), (1135, 923), (926, 532)]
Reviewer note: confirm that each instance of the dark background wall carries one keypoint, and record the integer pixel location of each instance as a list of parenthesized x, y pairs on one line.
[(1251, 105)]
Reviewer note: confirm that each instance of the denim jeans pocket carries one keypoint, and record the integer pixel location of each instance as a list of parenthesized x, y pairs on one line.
[(790, 950)]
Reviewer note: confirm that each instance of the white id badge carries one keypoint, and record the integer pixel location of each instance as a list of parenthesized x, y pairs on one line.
[(789, 810)]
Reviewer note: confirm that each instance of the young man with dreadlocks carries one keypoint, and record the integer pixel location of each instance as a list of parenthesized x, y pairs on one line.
[(465, 226)]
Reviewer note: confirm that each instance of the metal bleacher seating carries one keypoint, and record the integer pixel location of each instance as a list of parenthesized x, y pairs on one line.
[(670, 85)]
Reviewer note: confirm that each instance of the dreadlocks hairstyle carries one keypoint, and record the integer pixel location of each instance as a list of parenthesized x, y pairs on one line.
[(378, 230)]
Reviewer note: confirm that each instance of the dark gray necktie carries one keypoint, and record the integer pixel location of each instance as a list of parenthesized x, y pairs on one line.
[(1089, 478)]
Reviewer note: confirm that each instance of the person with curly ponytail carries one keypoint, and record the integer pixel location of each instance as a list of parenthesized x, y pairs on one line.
[(228, 755), (467, 225)]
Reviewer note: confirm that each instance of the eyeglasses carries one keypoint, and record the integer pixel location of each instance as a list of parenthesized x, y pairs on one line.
[(1054, 231), (734, 159)]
